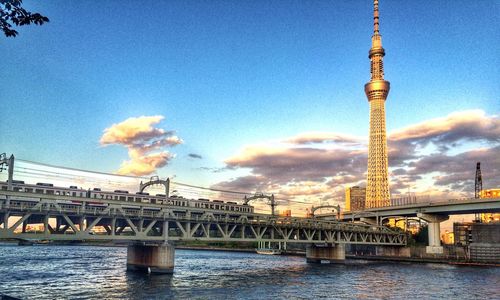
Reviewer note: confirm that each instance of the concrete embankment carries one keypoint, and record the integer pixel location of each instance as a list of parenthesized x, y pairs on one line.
[(418, 260)]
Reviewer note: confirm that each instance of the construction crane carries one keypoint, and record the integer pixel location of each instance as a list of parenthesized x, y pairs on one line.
[(270, 199), (478, 186)]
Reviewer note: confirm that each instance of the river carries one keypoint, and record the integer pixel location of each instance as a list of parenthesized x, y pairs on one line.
[(93, 272)]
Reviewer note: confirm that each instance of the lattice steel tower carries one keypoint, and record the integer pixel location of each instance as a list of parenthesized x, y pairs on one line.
[(377, 185)]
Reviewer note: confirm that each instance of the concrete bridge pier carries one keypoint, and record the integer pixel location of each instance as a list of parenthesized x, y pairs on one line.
[(434, 232), (157, 259), (333, 254)]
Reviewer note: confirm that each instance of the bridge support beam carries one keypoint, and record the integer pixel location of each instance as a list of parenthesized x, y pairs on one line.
[(151, 258), (434, 232), (333, 254)]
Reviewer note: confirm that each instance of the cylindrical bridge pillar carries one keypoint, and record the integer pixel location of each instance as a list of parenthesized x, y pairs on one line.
[(434, 234), (333, 254), (151, 258)]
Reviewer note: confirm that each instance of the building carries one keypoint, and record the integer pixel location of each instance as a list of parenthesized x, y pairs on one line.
[(448, 238), (472, 232), (487, 217), (355, 198), (482, 240), (377, 187), (462, 233), (285, 213)]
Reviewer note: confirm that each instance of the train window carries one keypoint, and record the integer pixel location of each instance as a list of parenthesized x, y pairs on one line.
[(39, 191), (50, 192), (130, 199), (4, 187), (74, 194), (28, 190), (122, 198), (18, 189)]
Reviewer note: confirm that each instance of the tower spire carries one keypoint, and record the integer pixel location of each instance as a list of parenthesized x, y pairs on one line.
[(377, 89), (375, 17)]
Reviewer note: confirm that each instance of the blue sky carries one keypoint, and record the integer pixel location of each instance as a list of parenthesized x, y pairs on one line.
[(229, 74)]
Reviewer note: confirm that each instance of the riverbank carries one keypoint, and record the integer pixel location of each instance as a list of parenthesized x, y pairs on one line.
[(419, 260)]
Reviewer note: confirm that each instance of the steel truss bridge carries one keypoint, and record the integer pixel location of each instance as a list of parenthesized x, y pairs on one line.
[(77, 219)]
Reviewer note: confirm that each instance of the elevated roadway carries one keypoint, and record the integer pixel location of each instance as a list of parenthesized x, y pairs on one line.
[(432, 212), (445, 208)]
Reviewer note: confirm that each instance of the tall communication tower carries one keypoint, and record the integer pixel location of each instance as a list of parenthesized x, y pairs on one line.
[(377, 183)]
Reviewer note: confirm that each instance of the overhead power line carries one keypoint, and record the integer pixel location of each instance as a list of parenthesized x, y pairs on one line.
[(58, 173)]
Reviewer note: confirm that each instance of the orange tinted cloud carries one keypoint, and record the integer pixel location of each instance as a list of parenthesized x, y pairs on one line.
[(469, 124), (132, 131), (144, 164), (317, 137), (316, 165), (141, 137)]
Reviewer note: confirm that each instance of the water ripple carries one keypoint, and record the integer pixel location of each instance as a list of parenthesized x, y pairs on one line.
[(76, 272)]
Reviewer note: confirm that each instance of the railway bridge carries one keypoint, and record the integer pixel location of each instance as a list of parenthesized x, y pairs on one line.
[(151, 229)]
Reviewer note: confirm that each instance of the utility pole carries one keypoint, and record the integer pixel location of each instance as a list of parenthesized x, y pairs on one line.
[(4, 161), (9, 162)]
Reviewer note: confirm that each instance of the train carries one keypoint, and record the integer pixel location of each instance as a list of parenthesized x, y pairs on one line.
[(125, 196)]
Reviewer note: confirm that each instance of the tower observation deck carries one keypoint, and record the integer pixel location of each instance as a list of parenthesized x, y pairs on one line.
[(377, 185)]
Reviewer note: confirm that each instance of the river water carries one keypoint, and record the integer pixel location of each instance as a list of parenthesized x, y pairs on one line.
[(91, 272)]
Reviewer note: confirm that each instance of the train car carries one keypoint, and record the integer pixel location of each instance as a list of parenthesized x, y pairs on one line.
[(125, 196)]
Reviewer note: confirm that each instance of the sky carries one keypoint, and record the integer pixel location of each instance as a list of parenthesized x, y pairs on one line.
[(257, 95)]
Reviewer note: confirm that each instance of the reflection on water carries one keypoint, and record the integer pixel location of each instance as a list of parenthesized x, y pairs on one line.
[(48, 272)]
